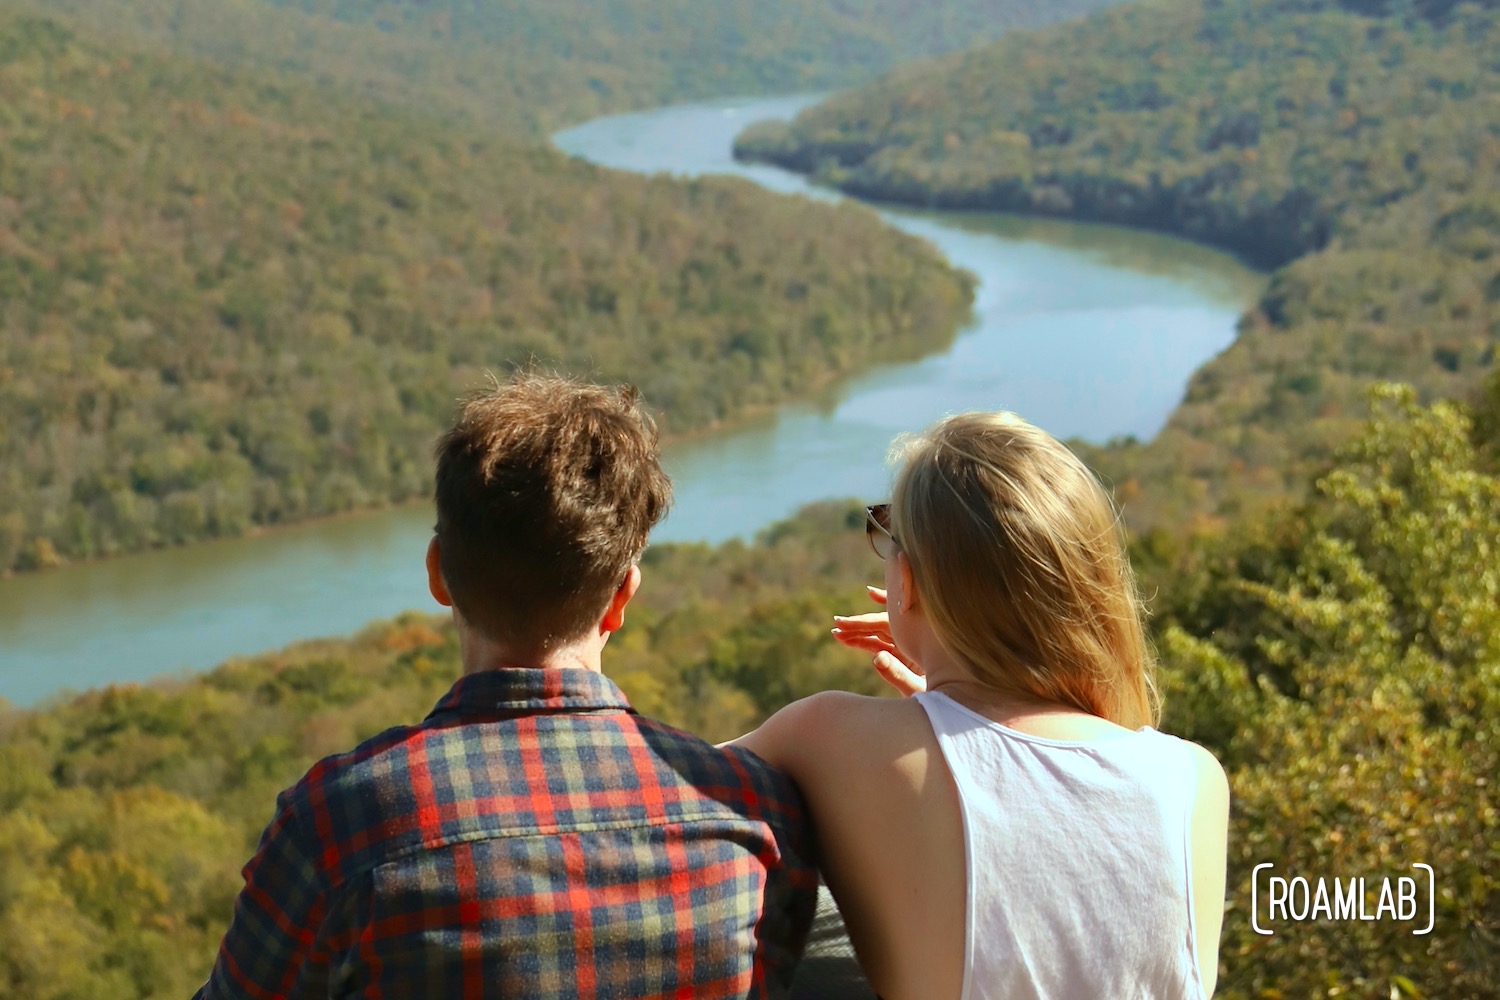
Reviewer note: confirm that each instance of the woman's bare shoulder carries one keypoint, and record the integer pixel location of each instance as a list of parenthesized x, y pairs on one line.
[(1213, 784), (827, 729)]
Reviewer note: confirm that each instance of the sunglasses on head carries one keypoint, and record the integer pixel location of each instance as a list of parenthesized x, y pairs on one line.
[(878, 530)]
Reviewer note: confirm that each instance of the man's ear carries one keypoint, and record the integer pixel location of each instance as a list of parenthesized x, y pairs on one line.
[(614, 615), (435, 582)]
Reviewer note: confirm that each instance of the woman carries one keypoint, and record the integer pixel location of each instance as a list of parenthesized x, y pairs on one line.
[(1015, 828)]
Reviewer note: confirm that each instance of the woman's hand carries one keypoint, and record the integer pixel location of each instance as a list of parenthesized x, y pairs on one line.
[(872, 634)]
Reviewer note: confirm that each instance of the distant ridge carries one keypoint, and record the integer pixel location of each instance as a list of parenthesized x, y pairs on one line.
[(529, 66)]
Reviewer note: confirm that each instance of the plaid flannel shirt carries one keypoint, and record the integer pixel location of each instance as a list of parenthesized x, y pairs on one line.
[(534, 837)]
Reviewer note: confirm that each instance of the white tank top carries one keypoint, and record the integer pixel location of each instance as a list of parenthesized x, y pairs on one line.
[(1078, 861)]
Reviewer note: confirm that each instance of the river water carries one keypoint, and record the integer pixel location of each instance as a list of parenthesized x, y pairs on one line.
[(1088, 331)]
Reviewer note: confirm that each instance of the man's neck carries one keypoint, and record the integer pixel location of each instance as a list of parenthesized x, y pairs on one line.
[(480, 654)]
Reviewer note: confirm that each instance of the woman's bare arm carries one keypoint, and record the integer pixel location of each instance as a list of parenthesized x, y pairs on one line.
[(1209, 837)]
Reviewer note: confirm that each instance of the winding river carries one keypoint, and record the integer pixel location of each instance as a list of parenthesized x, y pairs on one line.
[(1089, 331)]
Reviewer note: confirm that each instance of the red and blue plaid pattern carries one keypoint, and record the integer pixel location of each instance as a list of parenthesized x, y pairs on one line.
[(535, 838)]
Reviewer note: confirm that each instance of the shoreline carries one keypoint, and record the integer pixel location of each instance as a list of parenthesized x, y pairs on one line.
[(751, 414), (973, 203)]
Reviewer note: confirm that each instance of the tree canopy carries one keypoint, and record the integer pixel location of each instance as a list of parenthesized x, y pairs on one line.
[(227, 302), (1342, 657)]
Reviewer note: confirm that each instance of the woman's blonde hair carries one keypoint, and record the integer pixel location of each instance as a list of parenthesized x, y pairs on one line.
[(1019, 560)]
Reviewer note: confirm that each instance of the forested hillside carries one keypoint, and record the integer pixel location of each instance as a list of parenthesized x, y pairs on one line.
[(1341, 657), (531, 65), (1354, 146), (227, 302)]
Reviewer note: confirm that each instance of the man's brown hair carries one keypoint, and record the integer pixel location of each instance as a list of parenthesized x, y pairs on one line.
[(546, 490)]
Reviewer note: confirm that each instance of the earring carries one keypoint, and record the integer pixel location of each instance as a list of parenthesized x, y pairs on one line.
[(898, 602)]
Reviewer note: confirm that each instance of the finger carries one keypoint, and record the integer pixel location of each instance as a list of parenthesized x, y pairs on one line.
[(875, 619), (867, 643), (877, 594), (848, 636), (898, 675), (841, 634), (858, 631)]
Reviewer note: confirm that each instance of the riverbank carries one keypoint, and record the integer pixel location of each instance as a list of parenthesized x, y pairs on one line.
[(1092, 333), (815, 392), (1264, 239)]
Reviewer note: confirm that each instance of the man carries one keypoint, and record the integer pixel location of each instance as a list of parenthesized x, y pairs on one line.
[(534, 837)]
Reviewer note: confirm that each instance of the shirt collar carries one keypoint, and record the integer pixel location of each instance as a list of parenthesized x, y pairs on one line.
[(528, 691)]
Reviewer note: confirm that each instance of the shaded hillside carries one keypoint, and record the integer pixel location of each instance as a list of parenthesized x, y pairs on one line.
[(1342, 658), (1358, 154), (531, 65), (227, 302)]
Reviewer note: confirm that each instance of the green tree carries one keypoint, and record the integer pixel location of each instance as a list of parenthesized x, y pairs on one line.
[(1349, 676)]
